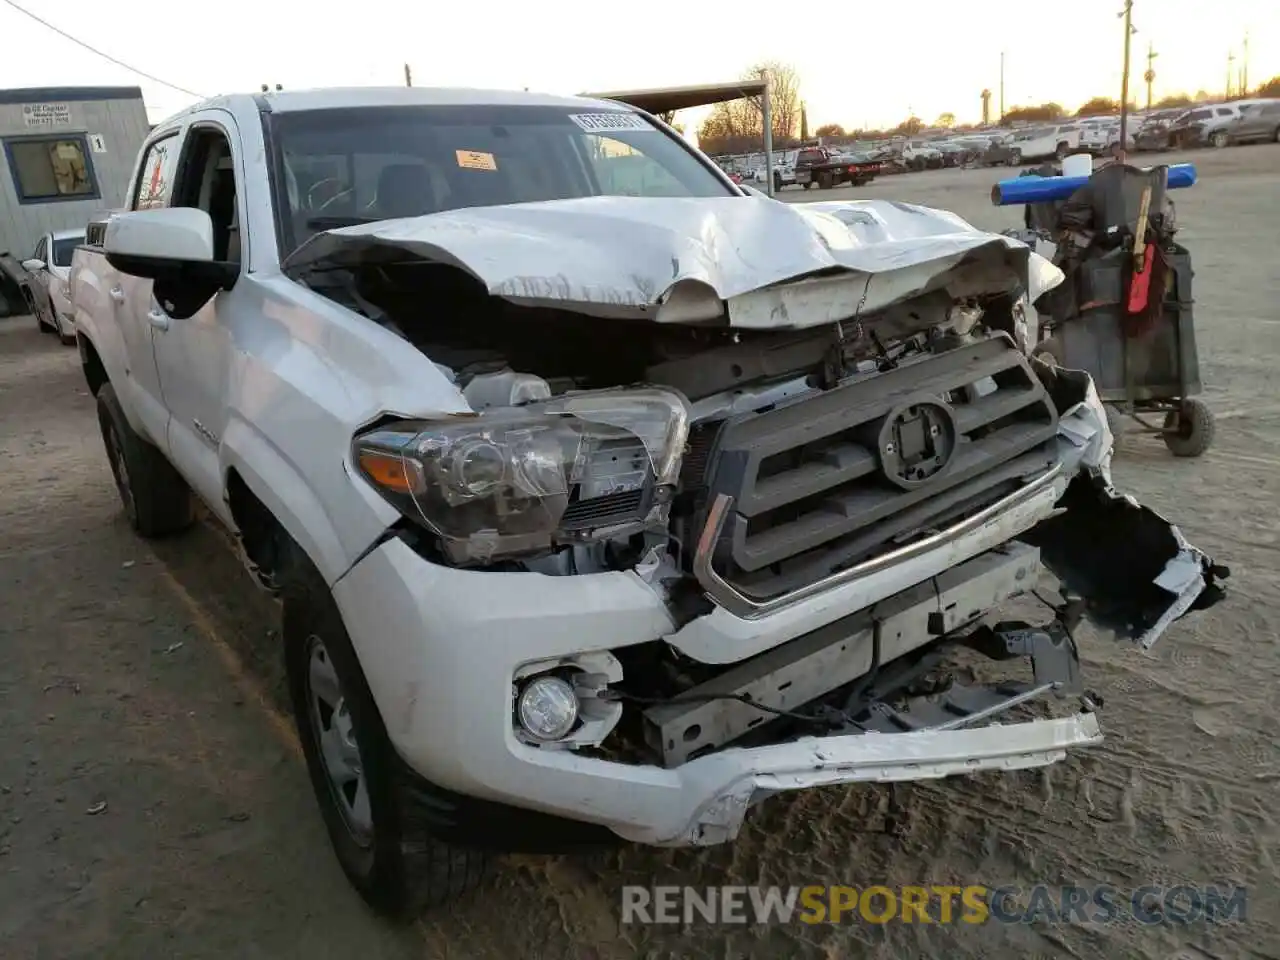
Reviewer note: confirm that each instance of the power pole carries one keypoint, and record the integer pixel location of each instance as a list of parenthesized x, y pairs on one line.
[(1231, 59), (1150, 75), (1127, 13), (1244, 68), (1001, 120), (408, 77)]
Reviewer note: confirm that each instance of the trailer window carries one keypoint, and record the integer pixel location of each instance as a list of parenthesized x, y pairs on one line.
[(49, 169)]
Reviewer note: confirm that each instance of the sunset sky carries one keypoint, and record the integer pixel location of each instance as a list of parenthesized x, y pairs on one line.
[(859, 64)]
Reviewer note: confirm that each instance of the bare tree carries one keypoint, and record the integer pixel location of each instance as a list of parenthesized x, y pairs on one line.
[(738, 125), (784, 91)]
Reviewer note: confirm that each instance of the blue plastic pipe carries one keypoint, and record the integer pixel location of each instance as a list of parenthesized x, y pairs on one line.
[(1019, 190)]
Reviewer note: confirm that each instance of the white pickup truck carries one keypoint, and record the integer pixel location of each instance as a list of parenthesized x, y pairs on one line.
[(603, 498), (1043, 143)]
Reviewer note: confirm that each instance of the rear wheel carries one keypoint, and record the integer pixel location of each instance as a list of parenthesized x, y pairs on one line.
[(381, 817), (808, 184), (156, 499), (1061, 153), (1188, 432)]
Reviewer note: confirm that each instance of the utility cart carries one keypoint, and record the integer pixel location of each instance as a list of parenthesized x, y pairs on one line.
[(1124, 313)]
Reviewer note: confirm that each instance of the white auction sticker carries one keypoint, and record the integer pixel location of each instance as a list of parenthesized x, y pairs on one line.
[(604, 122)]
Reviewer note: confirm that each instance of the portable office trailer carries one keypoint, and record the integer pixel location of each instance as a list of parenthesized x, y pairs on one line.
[(67, 153)]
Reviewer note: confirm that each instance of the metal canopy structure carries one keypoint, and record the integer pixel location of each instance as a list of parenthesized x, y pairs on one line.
[(669, 99)]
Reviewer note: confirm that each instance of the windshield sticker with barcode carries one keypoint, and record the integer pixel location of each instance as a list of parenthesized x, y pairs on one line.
[(475, 160), (604, 122)]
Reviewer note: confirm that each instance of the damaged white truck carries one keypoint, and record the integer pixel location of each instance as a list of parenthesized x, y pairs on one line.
[(603, 498)]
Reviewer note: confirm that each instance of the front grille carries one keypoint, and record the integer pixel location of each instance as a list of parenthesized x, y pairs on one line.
[(833, 478)]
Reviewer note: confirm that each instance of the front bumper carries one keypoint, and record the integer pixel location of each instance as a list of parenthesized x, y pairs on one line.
[(440, 647)]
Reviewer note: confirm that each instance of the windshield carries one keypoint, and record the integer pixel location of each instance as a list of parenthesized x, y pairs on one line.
[(64, 248), (358, 165)]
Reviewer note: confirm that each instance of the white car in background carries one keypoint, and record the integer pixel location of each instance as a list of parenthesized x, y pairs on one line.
[(1098, 136), (47, 287), (1043, 143)]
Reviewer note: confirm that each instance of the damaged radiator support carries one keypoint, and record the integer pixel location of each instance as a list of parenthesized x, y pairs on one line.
[(813, 665)]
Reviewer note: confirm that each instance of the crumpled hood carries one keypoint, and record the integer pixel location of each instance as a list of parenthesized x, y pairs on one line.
[(772, 265)]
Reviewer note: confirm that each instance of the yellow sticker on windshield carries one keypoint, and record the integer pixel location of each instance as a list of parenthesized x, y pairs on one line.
[(474, 160)]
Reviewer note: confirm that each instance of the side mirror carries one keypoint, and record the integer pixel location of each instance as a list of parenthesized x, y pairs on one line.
[(174, 247), (155, 239), (33, 265)]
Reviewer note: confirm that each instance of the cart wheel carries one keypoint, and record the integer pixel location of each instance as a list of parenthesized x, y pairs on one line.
[(1189, 431)]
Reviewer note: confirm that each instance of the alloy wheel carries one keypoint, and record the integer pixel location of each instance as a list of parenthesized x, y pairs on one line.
[(333, 728)]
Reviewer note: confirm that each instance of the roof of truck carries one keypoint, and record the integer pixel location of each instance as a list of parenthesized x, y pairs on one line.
[(285, 101)]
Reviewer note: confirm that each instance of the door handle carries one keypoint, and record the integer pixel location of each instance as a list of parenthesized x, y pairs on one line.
[(158, 319), (117, 295)]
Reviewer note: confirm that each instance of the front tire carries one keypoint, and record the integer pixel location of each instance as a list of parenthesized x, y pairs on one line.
[(156, 499), (382, 819), (1220, 139)]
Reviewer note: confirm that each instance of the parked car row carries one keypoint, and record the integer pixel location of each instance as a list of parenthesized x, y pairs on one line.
[(1216, 125)]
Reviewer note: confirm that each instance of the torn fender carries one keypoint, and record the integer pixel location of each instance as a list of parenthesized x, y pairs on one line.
[(766, 264), (1134, 570)]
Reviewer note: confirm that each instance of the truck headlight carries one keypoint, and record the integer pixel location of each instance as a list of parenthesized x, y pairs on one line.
[(507, 481)]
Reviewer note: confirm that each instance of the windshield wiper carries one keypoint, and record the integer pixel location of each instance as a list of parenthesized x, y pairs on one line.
[(333, 223)]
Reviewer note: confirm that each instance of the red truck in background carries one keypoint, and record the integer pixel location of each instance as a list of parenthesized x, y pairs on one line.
[(827, 168)]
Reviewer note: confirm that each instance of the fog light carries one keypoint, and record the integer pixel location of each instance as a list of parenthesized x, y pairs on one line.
[(547, 708)]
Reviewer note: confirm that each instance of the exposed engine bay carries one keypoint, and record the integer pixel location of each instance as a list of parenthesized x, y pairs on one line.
[(721, 377)]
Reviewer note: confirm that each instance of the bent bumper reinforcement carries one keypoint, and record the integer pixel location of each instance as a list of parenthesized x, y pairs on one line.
[(736, 779)]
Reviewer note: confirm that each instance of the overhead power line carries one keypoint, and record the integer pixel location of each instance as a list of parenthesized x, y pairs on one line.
[(105, 56)]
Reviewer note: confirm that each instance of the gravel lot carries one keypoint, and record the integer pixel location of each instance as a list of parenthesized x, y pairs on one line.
[(153, 801)]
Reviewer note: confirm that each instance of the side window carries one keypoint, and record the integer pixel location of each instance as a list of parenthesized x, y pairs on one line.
[(624, 171), (155, 177), (206, 180), (1225, 112)]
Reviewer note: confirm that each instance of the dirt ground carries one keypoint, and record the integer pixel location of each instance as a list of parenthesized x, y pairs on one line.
[(153, 801)]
